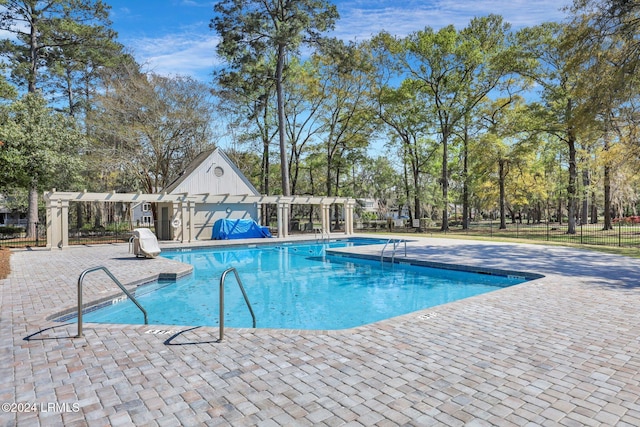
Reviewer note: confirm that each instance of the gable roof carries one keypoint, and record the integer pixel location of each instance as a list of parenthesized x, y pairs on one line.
[(212, 172)]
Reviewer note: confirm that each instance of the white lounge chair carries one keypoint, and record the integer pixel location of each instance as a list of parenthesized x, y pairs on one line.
[(145, 243)]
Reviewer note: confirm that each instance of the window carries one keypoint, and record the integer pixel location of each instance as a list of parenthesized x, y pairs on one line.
[(146, 207)]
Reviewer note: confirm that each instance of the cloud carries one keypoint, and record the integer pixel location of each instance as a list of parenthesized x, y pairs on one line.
[(186, 54), (189, 50), (361, 19)]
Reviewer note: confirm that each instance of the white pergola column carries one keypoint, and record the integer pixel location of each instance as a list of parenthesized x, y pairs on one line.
[(53, 230), (64, 223), (57, 222), (348, 217), (283, 217), (326, 217)]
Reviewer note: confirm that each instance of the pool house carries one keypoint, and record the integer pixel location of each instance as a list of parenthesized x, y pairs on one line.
[(210, 188)]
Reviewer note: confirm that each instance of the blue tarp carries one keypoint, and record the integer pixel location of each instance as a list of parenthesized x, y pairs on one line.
[(224, 229)]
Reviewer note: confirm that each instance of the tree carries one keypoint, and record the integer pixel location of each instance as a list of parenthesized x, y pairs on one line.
[(402, 112), (347, 119), (560, 115), (305, 97), (152, 126), (48, 33), (457, 70), (245, 96), (40, 149), (255, 32), (507, 144), (6, 90), (605, 36)]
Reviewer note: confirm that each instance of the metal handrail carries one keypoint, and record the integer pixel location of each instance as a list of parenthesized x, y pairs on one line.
[(117, 282), (322, 233), (396, 243), (244, 294)]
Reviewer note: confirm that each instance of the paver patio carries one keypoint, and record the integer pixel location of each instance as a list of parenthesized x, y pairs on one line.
[(561, 350)]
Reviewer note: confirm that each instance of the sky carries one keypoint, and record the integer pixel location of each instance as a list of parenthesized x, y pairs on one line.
[(172, 37)]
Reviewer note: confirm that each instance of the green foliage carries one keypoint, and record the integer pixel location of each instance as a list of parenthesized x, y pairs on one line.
[(254, 33), (64, 32), (40, 147), (11, 231)]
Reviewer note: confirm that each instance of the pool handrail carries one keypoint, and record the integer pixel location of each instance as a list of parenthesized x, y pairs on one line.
[(396, 243), (322, 233), (244, 294), (116, 281)]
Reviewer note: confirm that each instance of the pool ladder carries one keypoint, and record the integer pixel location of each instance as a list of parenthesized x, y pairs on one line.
[(244, 294), (396, 243), (117, 282), (322, 232)]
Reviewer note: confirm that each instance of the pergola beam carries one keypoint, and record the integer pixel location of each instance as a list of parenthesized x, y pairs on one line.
[(57, 204)]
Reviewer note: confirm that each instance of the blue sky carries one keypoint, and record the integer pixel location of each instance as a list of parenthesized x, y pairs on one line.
[(173, 37)]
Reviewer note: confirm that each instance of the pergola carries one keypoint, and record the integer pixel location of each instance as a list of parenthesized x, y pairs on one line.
[(183, 208)]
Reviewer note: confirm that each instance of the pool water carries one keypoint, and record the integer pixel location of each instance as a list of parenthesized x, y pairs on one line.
[(295, 286)]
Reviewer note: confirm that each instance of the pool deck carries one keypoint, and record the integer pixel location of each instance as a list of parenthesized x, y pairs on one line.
[(562, 350)]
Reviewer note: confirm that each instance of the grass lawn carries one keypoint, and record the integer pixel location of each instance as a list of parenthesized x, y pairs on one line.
[(626, 251), (616, 250)]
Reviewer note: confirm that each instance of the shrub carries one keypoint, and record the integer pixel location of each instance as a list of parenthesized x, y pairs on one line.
[(10, 230)]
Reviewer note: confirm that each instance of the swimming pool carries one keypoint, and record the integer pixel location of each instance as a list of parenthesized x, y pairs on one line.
[(295, 286)]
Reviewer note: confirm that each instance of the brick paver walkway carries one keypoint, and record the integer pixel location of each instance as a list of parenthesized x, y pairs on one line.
[(562, 350)]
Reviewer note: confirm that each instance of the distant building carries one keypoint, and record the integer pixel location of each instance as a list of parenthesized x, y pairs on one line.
[(9, 216), (143, 215), (369, 205)]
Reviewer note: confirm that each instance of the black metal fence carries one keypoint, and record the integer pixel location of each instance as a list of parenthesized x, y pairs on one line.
[(36, 236), (116, 232), (624, 232), (20, 236)]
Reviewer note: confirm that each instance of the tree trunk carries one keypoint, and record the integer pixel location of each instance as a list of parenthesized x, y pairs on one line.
[(336, 212), (585, 197), (444, 180), (501, 179), (284, 164), (33, 54), (573, 174), (32, 212), (416, 194), (594, 208), (465, 183), (608, 225), (407, 190), (264, 170)]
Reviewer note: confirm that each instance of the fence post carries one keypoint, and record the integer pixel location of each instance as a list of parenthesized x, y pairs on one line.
[(619, 233), (547, 229)]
